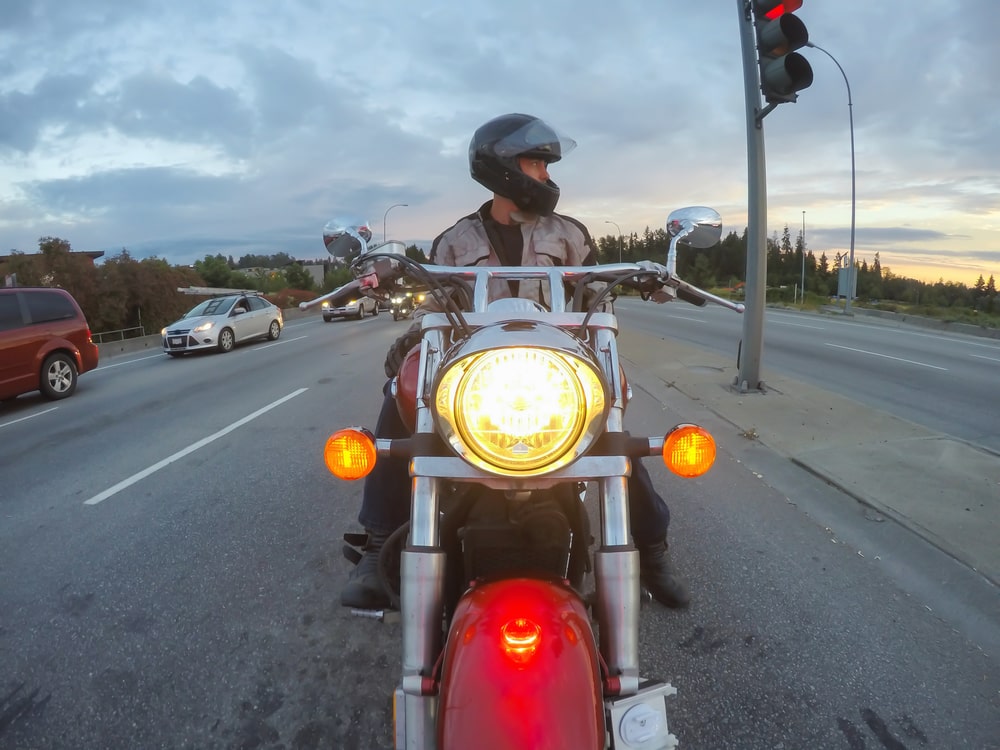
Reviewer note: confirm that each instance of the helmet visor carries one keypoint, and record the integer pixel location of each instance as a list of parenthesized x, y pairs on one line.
[(535, 139)]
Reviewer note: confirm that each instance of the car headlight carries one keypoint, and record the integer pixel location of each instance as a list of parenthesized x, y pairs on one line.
[(203, 327), (325, 305), (522, 410)]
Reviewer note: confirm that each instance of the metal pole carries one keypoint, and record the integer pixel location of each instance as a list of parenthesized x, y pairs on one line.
[(752, 344), (619, 239), (850, 111), (803, 257), (385, 237)]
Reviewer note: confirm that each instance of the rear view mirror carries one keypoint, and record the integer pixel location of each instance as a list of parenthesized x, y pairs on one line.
[(697, 226), (346, 239)]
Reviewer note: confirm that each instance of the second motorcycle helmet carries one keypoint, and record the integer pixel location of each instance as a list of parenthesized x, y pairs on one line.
[(493, 159)]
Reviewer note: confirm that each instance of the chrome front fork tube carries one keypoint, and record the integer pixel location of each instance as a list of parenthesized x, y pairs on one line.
[(616, 563), (421, 605), (616, 572)]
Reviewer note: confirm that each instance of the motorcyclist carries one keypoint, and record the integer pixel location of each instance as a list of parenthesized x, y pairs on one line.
[(508, 155)]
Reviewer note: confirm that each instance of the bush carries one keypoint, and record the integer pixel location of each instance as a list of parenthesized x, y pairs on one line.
[(288, 298)]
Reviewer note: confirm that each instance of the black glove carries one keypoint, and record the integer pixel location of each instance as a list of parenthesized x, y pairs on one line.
[(398, 351)]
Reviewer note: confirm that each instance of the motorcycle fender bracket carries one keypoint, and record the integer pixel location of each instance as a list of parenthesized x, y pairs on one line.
[(640, 720)]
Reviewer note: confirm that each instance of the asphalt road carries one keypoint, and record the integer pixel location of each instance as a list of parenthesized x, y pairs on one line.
[(947, 382), (170, 567)]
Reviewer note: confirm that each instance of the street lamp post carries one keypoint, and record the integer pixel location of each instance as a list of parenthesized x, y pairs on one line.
[(850, 111), (620, 241), (385, 237), (803, 287)]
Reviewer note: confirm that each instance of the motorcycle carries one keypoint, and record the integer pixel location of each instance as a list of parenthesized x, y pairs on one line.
[(402, 304), (516, 410)]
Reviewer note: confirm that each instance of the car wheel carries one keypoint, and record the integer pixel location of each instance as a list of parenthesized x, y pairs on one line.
[(274, 331), (361, 312), (59, 376), (326, 319), (375, 310), (227, 340)]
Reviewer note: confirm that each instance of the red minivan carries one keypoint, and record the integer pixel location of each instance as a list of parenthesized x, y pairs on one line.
[(45, 342)]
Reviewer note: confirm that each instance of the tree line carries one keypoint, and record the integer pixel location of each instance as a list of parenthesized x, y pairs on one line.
[(122, 292), (724, 266)]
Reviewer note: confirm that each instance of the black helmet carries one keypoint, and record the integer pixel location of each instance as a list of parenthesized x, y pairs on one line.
[(493, 160)]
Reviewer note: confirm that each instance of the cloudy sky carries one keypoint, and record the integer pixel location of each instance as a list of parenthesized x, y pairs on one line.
[(180, 128)]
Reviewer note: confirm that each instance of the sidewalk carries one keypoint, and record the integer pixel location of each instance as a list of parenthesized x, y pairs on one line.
[(941, 488)]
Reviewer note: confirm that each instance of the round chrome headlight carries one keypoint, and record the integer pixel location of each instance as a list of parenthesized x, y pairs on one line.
[(522, 409)]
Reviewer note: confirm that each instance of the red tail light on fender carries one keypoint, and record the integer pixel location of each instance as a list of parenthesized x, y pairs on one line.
[(519, 638)]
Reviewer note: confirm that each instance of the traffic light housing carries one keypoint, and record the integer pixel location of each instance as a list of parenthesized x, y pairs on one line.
[(783, 71)]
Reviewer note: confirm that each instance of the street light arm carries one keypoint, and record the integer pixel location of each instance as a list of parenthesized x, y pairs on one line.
[(384, 216), (850, 113)]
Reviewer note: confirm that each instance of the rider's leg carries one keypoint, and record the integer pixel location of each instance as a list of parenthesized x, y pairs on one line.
[(650, 519), (385, 506)]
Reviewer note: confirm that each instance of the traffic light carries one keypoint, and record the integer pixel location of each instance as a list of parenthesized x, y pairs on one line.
[(783, 71)]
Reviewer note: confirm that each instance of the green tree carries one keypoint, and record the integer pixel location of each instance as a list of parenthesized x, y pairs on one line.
[(297, 277), (215, 270)]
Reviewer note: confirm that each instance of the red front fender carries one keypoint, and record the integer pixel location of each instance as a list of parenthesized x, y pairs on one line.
[(521, 671)]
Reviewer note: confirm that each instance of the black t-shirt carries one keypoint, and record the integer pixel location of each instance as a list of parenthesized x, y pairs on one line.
[(508, 243)]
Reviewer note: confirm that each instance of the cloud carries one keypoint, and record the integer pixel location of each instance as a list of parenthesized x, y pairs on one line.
[(184, 126)]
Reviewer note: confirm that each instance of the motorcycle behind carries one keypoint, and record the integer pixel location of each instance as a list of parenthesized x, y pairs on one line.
[(402, 304), (516, 409)]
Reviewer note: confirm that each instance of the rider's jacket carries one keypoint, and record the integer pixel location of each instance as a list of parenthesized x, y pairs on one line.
[(553, 240)]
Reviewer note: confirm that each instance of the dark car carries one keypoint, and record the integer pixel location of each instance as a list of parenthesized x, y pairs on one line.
[(45, 342)]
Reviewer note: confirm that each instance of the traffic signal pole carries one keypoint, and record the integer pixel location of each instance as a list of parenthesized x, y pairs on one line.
[(752, 345), (769, 33)]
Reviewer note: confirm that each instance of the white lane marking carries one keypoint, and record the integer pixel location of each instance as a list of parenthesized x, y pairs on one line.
[(886, 356), (138, 359), (798, 325), (30, 416), (190, 449), (283, 341), (988, 359)]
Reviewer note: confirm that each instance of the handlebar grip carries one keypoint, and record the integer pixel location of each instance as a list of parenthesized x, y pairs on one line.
[(693, 299)]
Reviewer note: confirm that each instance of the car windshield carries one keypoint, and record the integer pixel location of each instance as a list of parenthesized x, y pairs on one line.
[(216, 306)]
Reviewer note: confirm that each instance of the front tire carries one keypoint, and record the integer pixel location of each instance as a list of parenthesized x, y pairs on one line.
[(361, 312), (59, 376), (227, 340), (273, 331)]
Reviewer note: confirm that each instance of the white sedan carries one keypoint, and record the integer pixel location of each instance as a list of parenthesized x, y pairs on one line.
[(221, 323)]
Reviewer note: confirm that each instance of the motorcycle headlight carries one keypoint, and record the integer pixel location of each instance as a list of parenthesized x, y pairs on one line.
[(521, 410)]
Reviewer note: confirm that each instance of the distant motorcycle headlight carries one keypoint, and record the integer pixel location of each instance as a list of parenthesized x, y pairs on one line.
[(521, 410)]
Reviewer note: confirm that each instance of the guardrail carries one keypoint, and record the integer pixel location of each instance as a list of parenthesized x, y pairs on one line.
[(120, 335)]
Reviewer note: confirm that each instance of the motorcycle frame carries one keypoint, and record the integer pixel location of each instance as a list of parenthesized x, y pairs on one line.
[(422, 568)]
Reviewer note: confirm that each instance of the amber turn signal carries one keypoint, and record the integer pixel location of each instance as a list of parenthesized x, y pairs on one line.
[(689, 450), (350, 453)]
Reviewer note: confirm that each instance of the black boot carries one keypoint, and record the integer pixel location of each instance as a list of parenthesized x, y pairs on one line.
[(364, 589), (658, 575)]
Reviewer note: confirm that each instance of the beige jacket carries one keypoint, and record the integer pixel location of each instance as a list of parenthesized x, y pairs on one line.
[(554, 240)]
